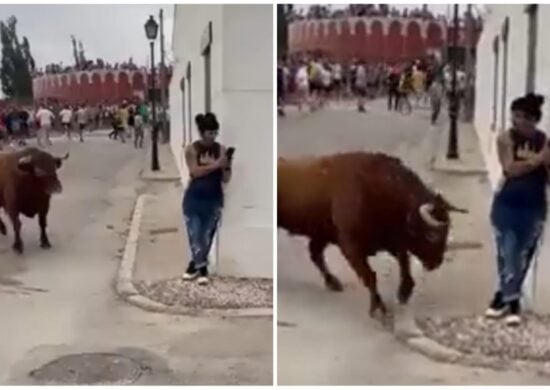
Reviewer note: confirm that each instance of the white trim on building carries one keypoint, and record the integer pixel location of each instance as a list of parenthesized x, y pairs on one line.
[(224, 59)]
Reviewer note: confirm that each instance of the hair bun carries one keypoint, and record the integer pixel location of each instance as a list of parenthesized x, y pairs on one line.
[(538, 100), (199, 119)]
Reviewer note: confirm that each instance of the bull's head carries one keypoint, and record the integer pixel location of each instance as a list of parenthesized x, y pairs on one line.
[(430, 231), (43, 167)]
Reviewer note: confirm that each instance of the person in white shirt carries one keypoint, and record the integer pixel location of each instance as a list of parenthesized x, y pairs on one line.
[(45, 119), (82, 119), (326, 80), (302, 85), (66, 115)]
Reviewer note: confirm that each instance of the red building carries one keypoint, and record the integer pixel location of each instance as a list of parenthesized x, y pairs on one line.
[(94, 87), (374, 39)]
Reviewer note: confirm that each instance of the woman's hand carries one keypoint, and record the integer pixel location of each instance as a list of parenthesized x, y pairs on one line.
[(222, 162)]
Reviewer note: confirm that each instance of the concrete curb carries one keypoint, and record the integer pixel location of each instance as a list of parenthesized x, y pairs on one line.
[(126, 290), (150, 176), (440, 353)]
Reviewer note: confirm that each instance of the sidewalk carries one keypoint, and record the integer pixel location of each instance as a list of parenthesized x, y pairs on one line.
[(157, 254), (168, 168)]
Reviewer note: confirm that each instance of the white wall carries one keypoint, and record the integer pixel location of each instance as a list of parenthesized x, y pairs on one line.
[(242, 98), (516, 85)]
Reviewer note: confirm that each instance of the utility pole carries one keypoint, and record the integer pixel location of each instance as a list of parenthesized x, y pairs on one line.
[(452, 149), (165, 136), (469, 63)]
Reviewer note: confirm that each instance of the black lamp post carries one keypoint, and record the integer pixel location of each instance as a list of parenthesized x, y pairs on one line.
[(452, 150), (151, 31)]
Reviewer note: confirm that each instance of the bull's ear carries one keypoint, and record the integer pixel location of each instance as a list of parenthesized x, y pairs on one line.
[(25, 164), (59, 160)]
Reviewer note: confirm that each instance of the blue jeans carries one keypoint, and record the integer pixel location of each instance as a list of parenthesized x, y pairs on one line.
[(201, 228), (517, 234)]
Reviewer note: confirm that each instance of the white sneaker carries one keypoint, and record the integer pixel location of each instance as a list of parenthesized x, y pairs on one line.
[(513, 320), (190, 276), (203, 280)]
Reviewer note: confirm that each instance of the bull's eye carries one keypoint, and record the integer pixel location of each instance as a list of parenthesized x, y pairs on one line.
[(39, 172), (432, 236)]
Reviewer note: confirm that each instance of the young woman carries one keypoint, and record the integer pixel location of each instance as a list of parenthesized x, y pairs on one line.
[(519, 206), (203, 200)]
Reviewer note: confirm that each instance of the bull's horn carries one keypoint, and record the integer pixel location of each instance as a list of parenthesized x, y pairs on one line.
[(426, 213), (448, 205)]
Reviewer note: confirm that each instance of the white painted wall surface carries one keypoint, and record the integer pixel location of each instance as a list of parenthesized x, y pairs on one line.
[(242, 98), (516, 80)]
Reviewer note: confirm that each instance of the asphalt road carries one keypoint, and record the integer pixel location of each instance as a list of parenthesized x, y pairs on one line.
[(62, 301)]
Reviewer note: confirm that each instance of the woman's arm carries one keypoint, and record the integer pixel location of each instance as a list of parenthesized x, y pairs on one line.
[(513, 168), (227, 168), (195, 170)]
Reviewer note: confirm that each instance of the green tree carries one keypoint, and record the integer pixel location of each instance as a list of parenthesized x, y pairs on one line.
[(17, 64)]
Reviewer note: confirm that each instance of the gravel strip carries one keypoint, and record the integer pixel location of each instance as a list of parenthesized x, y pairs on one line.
[(220, 293), (479, 336)]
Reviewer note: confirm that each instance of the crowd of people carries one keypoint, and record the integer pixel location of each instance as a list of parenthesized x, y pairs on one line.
[(19, 123), (90, 65), (315, 81), (360, 10)]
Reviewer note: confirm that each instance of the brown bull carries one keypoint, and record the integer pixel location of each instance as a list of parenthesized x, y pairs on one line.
[(364, 203), (28, 178)]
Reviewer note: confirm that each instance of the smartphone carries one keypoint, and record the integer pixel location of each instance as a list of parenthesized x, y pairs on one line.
[(229, 153)]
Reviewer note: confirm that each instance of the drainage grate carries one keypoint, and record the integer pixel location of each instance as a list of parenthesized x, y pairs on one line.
[(89, 369)]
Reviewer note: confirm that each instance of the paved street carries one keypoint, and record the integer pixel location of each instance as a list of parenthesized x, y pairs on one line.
[(327, 338), (62, 301)]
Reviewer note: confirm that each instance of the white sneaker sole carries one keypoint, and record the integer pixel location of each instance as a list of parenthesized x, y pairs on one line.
[(203, 281), (513, 320), (189, 277), (494, 314)]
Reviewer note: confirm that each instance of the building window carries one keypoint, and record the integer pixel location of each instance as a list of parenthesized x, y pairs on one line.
[(206, 43), (504, 34), (496, 66), (532, 27)]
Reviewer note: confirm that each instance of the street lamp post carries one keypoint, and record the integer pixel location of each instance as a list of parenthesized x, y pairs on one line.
[(452, 150), (151, 30)]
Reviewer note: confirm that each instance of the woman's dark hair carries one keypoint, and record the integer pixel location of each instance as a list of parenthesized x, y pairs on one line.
[(530, 105), (206, 122)]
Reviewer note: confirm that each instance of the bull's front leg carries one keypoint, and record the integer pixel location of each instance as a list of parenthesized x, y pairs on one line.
[(16, 223), (360, 265), (316, 251), (406, 285), (43, 223)]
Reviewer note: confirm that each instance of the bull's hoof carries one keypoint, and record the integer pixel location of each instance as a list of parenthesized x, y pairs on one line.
[(45, 245), (18, 247), (3, 230), (377, 304), (333, 284)]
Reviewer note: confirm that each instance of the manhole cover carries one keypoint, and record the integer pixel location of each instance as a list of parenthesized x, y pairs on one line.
[(89, 369)]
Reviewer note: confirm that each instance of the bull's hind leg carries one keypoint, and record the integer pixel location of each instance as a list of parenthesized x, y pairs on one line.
[(406, 285), (360, 265), (316, 250), (3, 229)]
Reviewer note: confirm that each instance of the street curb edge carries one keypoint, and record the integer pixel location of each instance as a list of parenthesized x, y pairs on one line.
[(443, 354)]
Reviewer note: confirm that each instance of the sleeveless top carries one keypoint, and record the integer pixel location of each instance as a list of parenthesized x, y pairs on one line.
[(527, 191), (205, 192)]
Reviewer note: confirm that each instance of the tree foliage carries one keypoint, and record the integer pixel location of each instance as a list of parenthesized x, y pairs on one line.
[(17, 64)]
